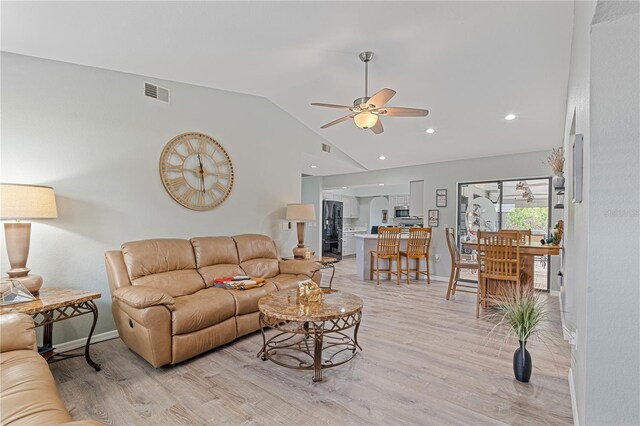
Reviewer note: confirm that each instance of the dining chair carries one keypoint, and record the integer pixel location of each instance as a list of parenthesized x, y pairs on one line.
[(498, 262), (388, 248), (456, 265), (525, 235), (418, 249)]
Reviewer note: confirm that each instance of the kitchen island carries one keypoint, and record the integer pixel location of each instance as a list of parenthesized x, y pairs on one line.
[(365, 243)]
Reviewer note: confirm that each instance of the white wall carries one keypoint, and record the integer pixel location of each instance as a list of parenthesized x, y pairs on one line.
[(312, 194), (376, 206), (447, 175), (602, 233), (94, 137)]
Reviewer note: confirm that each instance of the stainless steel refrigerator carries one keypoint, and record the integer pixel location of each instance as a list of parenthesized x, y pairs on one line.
[(332, 229)]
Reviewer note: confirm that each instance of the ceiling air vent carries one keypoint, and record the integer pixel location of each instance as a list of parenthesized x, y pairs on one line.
[(326, 147), (156, 92)]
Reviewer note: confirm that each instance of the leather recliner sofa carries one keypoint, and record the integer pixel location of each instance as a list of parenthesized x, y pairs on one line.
[(164, 306), (28, 393)]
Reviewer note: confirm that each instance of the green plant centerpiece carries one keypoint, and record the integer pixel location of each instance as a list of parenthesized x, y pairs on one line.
[(521, 312)]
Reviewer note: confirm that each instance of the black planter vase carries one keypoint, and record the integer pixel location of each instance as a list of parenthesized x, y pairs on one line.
[(522, 363)]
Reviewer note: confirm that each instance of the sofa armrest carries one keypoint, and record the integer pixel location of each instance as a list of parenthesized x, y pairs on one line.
[(17, 332), (141, 297), (296, 267)]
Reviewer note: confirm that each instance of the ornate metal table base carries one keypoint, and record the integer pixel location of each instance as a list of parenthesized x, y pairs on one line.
[(300, 345), (46, 320)]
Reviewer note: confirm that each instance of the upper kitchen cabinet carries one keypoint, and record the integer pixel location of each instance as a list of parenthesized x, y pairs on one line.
[(416, 198), (350, 206)]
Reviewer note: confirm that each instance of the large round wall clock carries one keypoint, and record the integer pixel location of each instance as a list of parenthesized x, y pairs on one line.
[(196, 171)]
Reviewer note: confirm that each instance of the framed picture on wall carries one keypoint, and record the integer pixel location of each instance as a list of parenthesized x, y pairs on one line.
[(434, 218), (441, 198), (577, 168)]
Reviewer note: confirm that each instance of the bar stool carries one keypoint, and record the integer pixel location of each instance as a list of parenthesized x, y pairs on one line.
[(418, 248), (456, 265), (388, 248)]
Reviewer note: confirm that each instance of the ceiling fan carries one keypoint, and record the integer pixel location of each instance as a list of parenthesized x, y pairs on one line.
[(367, 110)]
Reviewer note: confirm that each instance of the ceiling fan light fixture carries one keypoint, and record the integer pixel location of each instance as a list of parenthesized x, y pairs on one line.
[(365, 120)]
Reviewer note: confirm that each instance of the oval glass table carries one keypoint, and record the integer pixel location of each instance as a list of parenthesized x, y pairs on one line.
[(310, 335)]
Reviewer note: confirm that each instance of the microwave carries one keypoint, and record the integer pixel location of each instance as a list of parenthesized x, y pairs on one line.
[(401, 211)]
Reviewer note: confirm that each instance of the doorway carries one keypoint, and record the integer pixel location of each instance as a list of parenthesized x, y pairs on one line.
[(521, 204)]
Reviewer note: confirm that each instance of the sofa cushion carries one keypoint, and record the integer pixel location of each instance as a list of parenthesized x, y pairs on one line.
[(263, 268), (149, 257), (287, 281), (214, 251), (28, 393), (174, 283), (165, 264), (247, 300), (258, 255), (202, 309), (255, 246), (210, 273)]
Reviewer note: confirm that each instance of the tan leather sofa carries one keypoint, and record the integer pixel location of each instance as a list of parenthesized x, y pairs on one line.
[(28, 393), (162, 302)]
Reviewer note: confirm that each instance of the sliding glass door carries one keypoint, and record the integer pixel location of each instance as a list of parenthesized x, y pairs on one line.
[(520, 204)]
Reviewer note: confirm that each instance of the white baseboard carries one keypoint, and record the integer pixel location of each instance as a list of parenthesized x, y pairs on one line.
[(555, 293), (79, 343), (572, 392), (438, 278)]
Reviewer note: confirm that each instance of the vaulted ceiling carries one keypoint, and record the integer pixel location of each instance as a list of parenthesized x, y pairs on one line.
[(469, 63)]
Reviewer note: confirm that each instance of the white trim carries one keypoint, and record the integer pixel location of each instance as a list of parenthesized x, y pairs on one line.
[(79, 343), (572, 392), (554, 293)]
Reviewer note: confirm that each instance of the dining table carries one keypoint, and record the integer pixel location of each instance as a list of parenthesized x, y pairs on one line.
[(528, 252)]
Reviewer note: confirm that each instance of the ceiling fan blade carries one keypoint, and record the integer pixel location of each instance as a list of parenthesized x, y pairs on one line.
[(403, 112), (377, 129), (339, 120), (381, 98), (331, 105)]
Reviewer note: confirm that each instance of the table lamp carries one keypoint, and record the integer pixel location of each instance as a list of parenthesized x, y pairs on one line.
[(300, 213), (19, 202)]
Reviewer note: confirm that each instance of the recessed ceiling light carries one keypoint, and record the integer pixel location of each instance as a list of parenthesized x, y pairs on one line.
[(344, 187), (430, 130), (509, 117), (381, 184), (313, 166), (382, 157)]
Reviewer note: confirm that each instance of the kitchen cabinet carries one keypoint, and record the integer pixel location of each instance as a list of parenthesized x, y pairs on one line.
[(349, 242), (350, 206), (416, 198)]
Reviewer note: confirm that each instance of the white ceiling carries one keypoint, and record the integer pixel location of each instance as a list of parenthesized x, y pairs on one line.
[(469, 63)]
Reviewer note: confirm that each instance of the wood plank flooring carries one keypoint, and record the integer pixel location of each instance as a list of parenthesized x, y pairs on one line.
[(426, 360)]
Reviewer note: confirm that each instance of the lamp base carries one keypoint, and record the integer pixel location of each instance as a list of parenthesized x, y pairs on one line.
[(30, 282), (298, 252)]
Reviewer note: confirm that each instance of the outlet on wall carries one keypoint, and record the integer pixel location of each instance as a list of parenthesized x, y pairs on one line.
[(436, 257)]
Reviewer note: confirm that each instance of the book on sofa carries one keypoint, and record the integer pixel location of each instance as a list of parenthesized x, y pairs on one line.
[(239, 282)]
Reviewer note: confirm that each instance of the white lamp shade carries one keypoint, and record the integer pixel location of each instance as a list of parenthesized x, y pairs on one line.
[(365, 120), (301, 212), (27, 202)]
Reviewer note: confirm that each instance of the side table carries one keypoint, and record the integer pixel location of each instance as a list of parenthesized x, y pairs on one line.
[(57, 304), (324, 262)]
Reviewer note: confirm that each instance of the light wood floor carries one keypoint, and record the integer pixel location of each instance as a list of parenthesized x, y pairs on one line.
[(425, 361)]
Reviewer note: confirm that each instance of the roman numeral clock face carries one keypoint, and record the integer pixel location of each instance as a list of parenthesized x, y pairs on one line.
[(196, 171)]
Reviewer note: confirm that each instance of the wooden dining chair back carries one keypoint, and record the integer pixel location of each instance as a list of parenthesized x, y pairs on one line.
[(456, 265), (525, 235), (388, 248), (498, 262), (418, 249)]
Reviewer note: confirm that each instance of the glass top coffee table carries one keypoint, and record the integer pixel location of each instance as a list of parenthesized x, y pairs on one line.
[(310, 335)]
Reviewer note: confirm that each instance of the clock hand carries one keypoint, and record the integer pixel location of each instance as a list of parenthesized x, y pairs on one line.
[(201, 172)]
